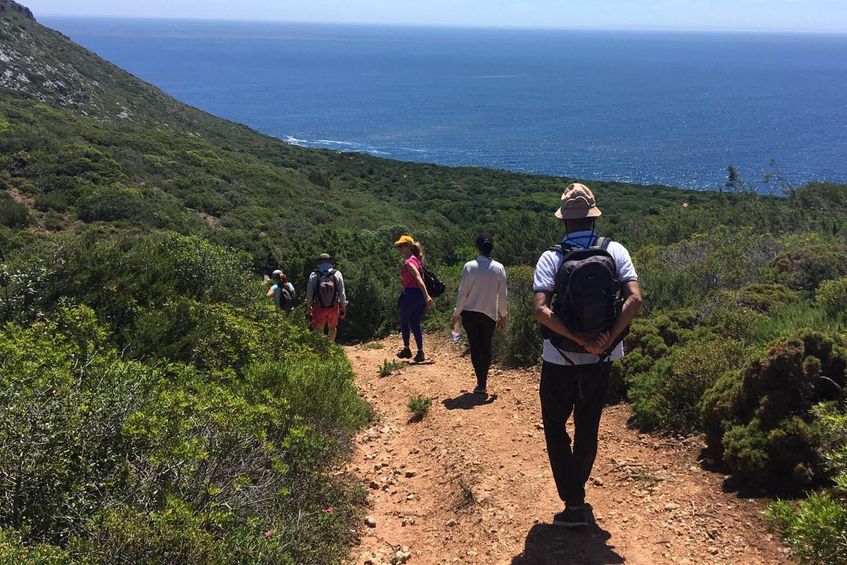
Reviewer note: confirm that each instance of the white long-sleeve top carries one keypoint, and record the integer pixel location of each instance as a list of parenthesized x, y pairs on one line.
[(483, 288)]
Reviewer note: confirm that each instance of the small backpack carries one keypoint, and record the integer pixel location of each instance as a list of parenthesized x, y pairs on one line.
[(326, 289), (587, 296), (433, 285), (286, 300)]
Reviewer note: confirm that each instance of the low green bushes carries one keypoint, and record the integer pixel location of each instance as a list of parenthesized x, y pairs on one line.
[(759, 420), (668, 396), (520, 343), (832, 297), (176, 421), (13, 214), (13, 550), (114, 459), (804, 267), (814, 528)]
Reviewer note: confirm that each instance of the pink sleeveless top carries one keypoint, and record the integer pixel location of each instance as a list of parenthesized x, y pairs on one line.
[(409, 280)]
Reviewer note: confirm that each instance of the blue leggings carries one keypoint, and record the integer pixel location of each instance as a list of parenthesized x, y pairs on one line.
[(412, 310)]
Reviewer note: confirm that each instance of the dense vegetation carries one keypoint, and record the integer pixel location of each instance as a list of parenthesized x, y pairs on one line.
[(154, 408), (152, 413)]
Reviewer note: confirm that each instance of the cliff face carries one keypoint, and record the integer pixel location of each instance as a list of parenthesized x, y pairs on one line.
[(44, 65), (12, 6)]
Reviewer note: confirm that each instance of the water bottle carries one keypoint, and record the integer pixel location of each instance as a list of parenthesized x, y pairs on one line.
[(454, 333)]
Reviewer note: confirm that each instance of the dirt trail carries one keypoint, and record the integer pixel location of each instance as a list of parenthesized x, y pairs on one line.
[(470, 483)]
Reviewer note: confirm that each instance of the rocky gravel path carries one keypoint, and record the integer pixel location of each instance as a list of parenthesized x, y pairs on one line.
[(470, 482)]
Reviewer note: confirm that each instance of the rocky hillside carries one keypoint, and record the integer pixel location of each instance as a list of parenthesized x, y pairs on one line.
[(45, 65)]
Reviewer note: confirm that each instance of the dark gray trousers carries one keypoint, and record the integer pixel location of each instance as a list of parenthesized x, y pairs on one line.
[(581, 390)]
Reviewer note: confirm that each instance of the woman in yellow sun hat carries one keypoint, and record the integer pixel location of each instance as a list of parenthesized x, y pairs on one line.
[(415, 300)]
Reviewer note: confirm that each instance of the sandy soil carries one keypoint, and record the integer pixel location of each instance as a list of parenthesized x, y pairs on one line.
[(470, 483)]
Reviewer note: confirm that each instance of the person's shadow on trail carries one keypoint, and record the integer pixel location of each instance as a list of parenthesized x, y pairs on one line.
[(547, 545), (467, 401)]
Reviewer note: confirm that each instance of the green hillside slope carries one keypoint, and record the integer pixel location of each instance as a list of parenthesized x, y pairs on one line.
[(84, 144), (78, 131)]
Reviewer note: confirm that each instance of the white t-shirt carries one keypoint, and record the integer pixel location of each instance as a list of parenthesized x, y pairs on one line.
[(545, 281)]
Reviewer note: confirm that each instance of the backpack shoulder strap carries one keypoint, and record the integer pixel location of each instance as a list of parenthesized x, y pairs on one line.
[(603, 243), (564, 250)]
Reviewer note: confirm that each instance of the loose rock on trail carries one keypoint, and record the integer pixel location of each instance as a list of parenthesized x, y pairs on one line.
[(471, 483)]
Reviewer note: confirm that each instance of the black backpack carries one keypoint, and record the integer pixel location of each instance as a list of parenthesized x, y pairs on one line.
[(326, 289), (286, 300), (434, 287), (588, 294)]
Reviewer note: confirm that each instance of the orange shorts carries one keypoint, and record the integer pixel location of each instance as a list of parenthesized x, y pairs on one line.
[(322, 315)]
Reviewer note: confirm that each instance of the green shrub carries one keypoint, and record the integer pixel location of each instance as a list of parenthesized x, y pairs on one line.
[(738, 314), (51, 201), (319, 178), (784, 320), (112, 459), (832, 297), (830, 428), (804, 268), (668, 396), (176, 534), (419, 407), (764, 297), (814, 528), (117, 202), (14, 214), (684, 273), (520, 344), (319, 389), (65, 395), (118, 276), (759, 420), (13, 551), (649, 340), (389, 367), (113, 203)]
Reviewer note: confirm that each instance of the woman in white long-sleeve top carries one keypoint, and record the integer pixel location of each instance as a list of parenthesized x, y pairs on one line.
[(481, 305)]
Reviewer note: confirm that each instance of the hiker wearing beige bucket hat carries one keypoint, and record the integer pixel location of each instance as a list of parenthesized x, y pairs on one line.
[(585, 295), (577, 202)]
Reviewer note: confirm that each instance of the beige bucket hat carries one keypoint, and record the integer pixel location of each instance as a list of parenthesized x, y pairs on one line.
[(577, 202)]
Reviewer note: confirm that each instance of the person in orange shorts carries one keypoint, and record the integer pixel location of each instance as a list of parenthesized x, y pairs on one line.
[(325, 297)]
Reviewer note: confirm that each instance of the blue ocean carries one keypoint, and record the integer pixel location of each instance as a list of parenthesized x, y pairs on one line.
[(657, 107)]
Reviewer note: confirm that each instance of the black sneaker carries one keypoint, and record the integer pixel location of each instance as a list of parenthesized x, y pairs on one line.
[(419, 357), (481, 390), (405, 353), (572, 517)]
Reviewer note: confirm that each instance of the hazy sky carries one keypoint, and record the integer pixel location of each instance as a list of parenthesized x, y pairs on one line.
[(791, 15)]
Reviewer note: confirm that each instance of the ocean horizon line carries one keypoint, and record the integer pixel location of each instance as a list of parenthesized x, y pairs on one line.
[(459, 27)]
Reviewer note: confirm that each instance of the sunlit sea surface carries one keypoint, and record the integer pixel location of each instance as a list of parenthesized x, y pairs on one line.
[(666, 108)]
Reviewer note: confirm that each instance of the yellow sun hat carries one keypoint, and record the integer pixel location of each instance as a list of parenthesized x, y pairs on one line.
[(405, 240)]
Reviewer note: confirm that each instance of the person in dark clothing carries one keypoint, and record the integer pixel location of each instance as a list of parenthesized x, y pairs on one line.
[(481, 304), (575, 382)]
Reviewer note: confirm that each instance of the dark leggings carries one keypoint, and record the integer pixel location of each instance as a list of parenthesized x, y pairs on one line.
[(479, 329), (412, 310)]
